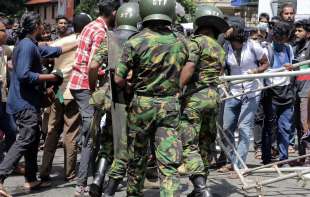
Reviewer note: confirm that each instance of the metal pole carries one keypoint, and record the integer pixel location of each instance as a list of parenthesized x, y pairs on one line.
[(248, 92), (267, 182), (232, 147), (265, 75), (275, 163), (297, 65), (290, 169)]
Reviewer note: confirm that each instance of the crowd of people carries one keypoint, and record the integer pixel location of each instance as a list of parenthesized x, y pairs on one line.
[(136, 96)]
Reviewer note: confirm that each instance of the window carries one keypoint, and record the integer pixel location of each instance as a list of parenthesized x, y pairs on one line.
[(53, 11), (45, 12)]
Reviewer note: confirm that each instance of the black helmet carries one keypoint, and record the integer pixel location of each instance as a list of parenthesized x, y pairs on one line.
[(210, 16), (80, 21)]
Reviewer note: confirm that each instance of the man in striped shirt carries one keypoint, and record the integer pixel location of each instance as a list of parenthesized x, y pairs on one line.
[(91, 37)]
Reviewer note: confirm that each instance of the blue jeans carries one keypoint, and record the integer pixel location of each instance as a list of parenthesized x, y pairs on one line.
[(283, 116), (239, 114), (87, 111)]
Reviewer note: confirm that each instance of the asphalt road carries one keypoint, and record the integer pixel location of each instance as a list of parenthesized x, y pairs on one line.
[(220, 184)]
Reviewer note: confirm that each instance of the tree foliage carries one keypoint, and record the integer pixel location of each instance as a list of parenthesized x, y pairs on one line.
[(88, 6), (189, 5), (14, 8)]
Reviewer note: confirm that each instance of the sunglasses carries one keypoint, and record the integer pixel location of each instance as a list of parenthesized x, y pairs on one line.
[(3, 30)]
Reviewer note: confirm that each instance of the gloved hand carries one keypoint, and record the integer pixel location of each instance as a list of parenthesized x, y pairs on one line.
[(58, 73)]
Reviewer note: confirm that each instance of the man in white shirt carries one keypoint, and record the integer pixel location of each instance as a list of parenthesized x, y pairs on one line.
[(243, 57)]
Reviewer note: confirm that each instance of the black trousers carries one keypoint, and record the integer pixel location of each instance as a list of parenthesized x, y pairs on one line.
[(26, 144)]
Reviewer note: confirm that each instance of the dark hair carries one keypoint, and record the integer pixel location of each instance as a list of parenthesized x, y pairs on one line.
[(303, 24), (287, 5), (281, 28), (107, 7), (28, 23), (59, 17), (80, 21), (47, 27), (238, 25), (264, 15)]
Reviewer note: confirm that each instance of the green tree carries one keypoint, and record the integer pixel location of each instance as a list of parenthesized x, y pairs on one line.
[(189, 6), (13, 8), (88, 6)]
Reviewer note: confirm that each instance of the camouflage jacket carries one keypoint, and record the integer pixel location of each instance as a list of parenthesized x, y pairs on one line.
[(101, 54), (209, 58), (156, 58)]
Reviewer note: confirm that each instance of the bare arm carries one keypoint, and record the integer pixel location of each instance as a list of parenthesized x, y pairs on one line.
[(93, 74), (263, 66), (187, 73)]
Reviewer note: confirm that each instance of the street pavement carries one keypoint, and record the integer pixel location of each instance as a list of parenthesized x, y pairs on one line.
[(220, 184)]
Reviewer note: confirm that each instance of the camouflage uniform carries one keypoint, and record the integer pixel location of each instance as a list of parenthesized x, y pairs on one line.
[(200, 109), (101, 100), (156, 58)]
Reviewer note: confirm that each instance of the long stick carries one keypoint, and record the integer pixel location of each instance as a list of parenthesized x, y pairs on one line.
[(265, 75), (275, 163), (297, 65)]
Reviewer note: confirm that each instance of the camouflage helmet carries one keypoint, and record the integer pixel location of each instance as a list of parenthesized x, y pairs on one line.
[(207, 15), (128, 16), (157, 10)]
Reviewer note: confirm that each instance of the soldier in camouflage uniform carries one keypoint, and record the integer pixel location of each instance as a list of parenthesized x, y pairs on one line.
[(200, 98), (127, 18), (156, 56)]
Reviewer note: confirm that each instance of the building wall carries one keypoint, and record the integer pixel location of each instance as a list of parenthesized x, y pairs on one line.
[(48, 12), (249, 13)]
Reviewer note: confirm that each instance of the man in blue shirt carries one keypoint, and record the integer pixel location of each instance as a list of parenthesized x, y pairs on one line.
[(279, 100), (25, 97)]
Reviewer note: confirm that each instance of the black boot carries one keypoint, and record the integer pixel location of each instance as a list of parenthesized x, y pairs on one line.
[(200, 187), (95, 189), (112, 186)]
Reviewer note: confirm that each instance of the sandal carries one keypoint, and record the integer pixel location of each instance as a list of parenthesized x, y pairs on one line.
[(258, 154), (30, 186), (291, 149), (226, 168), (3, 192)]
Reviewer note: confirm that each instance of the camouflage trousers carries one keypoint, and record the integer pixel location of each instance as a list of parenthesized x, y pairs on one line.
[(101, 100), (198, 130), (118, 157), (154, 117), (119, 166)]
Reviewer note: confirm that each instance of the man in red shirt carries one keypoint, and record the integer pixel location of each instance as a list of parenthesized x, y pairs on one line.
[(91, 37)]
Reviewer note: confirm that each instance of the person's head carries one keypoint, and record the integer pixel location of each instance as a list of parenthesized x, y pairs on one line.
[(15, 25), (209, 20), (46, 34), (258, 34), (280, 34), (62, 24), (107, 10), (287, 12), (302, 30), (3, 35), (237, 32), (31, 24), (157, 13), (80, 21), (264, 18)]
